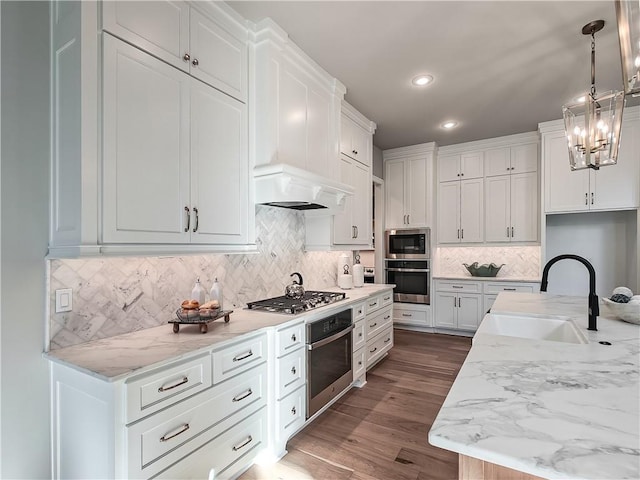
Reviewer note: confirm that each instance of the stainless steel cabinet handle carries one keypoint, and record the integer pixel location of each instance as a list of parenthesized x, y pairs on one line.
[(458, 234), (186, 57), (242, 396), (457, 286), (459, 302), (387, 317), (293, 337), (586, 199), (195, 227), (186, 209), (455, 302), (507, 232), (409, 219), (293, 370), (462, 233), (407, 315), (373, 304), (386, 298), (183, 429), (357, 232), (591, 198), (509, 289), (513, 234), (387, 340), (243, 356), (182, 382), (195, 62), (371, 351), (293, 410), (373, 325), (243, 444)]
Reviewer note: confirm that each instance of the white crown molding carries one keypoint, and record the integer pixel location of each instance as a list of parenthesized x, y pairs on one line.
[(489, 143), (411, 150), (349, 111)]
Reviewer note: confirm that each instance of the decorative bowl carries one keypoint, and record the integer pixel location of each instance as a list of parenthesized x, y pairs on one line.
[(628, 312), (484, 270)]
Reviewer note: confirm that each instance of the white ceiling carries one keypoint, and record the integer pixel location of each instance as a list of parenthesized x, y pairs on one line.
[(500, 67)]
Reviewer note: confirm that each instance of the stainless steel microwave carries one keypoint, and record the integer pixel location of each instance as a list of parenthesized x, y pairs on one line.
[(414, 243)]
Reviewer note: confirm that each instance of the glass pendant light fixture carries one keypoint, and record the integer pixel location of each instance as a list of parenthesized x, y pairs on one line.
[(628, 16), (593, 126)]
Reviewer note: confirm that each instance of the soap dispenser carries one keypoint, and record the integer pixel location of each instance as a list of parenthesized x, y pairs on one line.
[(216, 292), (198, 293)]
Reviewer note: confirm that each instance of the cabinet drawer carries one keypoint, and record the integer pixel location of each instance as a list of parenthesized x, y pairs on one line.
[(359, 335), (171, 429), (386, 298), (378, 322), (359, 362), (290, 338), (290, 372), (149, 393), (407, 315), (453, 286), (358, 312), (491, 287), (379, 346), (239, 357), (290, 413), (372, 304)]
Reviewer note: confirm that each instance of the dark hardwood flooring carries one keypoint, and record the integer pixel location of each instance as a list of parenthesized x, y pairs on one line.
[(380, 431)]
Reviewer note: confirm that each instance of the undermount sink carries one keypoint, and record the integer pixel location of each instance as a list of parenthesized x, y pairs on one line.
[(556, 329)]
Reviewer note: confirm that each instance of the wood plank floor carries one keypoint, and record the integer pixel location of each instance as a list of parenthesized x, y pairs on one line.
[(380, 430)]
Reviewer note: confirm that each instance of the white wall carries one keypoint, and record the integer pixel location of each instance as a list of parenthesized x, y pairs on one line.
[(24, 164), (606, 239), (378, 164)]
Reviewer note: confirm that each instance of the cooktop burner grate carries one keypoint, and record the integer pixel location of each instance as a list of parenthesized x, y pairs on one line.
[(311, 299)]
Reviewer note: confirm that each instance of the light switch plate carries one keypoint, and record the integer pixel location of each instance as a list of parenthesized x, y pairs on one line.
[(64, 300)]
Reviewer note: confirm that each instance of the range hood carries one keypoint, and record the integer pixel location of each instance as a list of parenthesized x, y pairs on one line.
[(285, 186)]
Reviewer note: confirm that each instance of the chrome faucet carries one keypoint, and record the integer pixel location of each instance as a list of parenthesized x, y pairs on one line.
[(594, 308)]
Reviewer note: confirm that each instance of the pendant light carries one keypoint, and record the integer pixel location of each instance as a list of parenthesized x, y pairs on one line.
[(593, 126)]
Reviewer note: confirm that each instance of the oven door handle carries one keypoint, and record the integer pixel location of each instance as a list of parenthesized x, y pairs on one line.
[(330, 339), (410, 270)]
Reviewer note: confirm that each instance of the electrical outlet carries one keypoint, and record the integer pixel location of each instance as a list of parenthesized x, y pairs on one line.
[(64, 300)]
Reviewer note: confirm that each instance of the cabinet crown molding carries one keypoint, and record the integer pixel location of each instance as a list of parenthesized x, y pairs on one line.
[(401, 152), (487, 144), (358, 118)]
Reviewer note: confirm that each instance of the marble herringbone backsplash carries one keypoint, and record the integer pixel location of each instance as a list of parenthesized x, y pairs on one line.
[(521, 262), (112, 296)]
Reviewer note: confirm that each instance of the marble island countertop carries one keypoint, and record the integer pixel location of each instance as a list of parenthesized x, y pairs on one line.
[(111, 359), (551, 409)]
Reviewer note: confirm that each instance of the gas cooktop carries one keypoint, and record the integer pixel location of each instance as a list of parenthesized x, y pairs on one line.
[(310, 300)]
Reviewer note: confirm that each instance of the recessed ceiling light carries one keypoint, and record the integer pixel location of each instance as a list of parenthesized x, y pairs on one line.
[(449, 125), (422, 80)]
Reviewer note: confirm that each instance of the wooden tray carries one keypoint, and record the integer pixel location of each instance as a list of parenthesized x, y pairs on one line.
[(194, 318)]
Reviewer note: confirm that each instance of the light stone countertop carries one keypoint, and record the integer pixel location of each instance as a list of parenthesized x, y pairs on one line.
[(488, 279), (111, 359), (551, 409)]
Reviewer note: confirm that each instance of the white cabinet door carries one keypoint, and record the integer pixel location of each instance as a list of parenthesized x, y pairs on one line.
[(217, 57), (524, 207), (564, 190), (160, 27), (318, 133), (346, 125), (343, 231), (448, 168), (524, 158), (497, 161), (617, 186), (469, 311), (361, 207), (471, 210), (145, 147), (446, 310), (219, 167), (497, 212), (416, 192), (471, 165), (361, 143), (394, 192), (448, 212)]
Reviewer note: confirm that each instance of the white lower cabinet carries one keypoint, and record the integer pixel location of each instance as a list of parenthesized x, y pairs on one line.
[(461, 304), (378, 327), (378, 346), (412, 314)]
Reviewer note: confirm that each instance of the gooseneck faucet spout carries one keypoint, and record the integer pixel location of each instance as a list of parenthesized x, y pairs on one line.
[(594, 308)]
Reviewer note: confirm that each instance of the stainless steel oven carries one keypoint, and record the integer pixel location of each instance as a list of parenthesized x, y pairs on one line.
[(408, 243), (329, 359), (412, 279)]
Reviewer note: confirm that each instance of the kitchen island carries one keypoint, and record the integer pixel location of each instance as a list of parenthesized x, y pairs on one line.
[(545, 408)]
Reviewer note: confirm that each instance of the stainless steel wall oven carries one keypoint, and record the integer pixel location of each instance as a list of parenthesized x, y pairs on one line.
[(329, 359), (412, 279)]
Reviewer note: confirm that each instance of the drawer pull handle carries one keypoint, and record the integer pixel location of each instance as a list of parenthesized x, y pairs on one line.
[(373, 325), (387, 317), (293, 370), (293, 410), (164, 388), (509, 289), (294, 338), (387, 298), (243, 356), (407, 315), (373, 304), (237, 398), (387, 340), (183, 429), (457, 286), (243, 444), (371, 351)]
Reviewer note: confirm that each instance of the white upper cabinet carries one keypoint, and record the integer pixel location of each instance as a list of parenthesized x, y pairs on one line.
[(508, 160), (465, 166), (185, 38), (355, 141), (409, 186), (353, 226), (297, 106), (614, 187)]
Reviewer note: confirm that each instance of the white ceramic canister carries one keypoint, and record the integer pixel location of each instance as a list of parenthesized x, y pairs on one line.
[(345, 280), (358, 273), (343, 259)]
